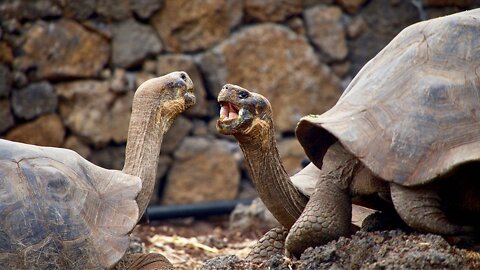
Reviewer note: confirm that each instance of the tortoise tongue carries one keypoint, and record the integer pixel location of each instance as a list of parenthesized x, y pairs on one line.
[(224, 112), (232, 114), (228, 112)]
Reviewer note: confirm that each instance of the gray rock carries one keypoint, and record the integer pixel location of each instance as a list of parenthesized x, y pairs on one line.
[(61, 49), (272, 10), (34, 100), (79, 10), (252, 217), (84, 111), (5, 81), (324, 27), (132, 42), (6, 117), (113, 10), (29, 9), (279, 64), (110, 157), (145, 8), (191, 25), (46, 130), (178, 131), (383, 22), (204, 171)]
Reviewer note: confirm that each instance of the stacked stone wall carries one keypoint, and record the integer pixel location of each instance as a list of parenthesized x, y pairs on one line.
[(69, 69)]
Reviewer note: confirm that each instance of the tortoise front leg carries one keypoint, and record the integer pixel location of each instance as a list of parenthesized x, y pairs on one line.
[(326, 217), (139, 261), (420, 208), (270, 244)]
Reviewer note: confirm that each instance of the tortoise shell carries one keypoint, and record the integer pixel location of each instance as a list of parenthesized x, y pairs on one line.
[(413, 112), (59, 211)]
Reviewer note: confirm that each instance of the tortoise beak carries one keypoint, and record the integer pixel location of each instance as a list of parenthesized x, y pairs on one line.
[(189, 98)]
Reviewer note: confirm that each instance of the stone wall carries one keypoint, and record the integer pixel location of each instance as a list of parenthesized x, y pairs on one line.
[(69, 69)]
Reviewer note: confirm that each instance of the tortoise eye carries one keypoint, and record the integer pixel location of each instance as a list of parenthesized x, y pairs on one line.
[(243, 95)]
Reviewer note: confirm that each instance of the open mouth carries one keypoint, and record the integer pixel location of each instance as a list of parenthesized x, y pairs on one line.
[(228, 111)]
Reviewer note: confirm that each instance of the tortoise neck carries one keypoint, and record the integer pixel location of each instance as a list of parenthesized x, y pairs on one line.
[(145, 135), (269, 176)]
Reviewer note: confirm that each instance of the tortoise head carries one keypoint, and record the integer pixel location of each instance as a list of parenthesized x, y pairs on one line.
[(242, 111), (170, 94)]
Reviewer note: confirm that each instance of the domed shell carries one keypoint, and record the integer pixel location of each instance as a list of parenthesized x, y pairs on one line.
[(413, 112), (61, 212)]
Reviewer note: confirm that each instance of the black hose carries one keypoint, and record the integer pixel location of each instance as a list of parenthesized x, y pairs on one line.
[(197, 210)]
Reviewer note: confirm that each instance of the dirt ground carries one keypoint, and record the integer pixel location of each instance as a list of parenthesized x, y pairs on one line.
[(210, 244), (188, 243)]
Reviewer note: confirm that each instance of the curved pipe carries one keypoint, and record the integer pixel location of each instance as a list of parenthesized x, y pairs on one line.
[(197, 210)]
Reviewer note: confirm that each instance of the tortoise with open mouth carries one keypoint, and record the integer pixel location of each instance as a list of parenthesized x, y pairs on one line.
[(407, 129)]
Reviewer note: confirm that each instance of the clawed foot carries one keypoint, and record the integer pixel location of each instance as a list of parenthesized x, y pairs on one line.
[(150, 261), (272, 243)]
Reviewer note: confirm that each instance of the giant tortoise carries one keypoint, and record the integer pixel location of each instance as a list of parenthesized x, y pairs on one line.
[(407, 128), (59, 211)]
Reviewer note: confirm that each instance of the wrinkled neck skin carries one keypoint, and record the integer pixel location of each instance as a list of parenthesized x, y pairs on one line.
[(148, 124), (271, 180)]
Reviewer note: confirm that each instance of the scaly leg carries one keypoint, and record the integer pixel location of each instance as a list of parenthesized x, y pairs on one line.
[(139, 261), (326, 217), (271, 243), (420, 208)]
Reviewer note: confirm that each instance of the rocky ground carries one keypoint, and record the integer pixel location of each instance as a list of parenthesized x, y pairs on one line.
[(188, 243), (213, 244)]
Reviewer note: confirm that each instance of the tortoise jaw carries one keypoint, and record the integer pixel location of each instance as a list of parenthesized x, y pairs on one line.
[(232, 118)]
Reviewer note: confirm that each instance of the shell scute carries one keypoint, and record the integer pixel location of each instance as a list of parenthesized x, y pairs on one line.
[(62, 210)]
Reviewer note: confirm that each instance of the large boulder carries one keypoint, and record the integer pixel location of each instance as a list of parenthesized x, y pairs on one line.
[(79, 10), (34, 100), (62, 49), (272, 10), (132, 42), (113, 10), (325, 28), (175, 135), (279, 64), (383, 22), (28, 9), (203, 170), (191, 25), (46, 130), (92, 111), (110, 157)]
